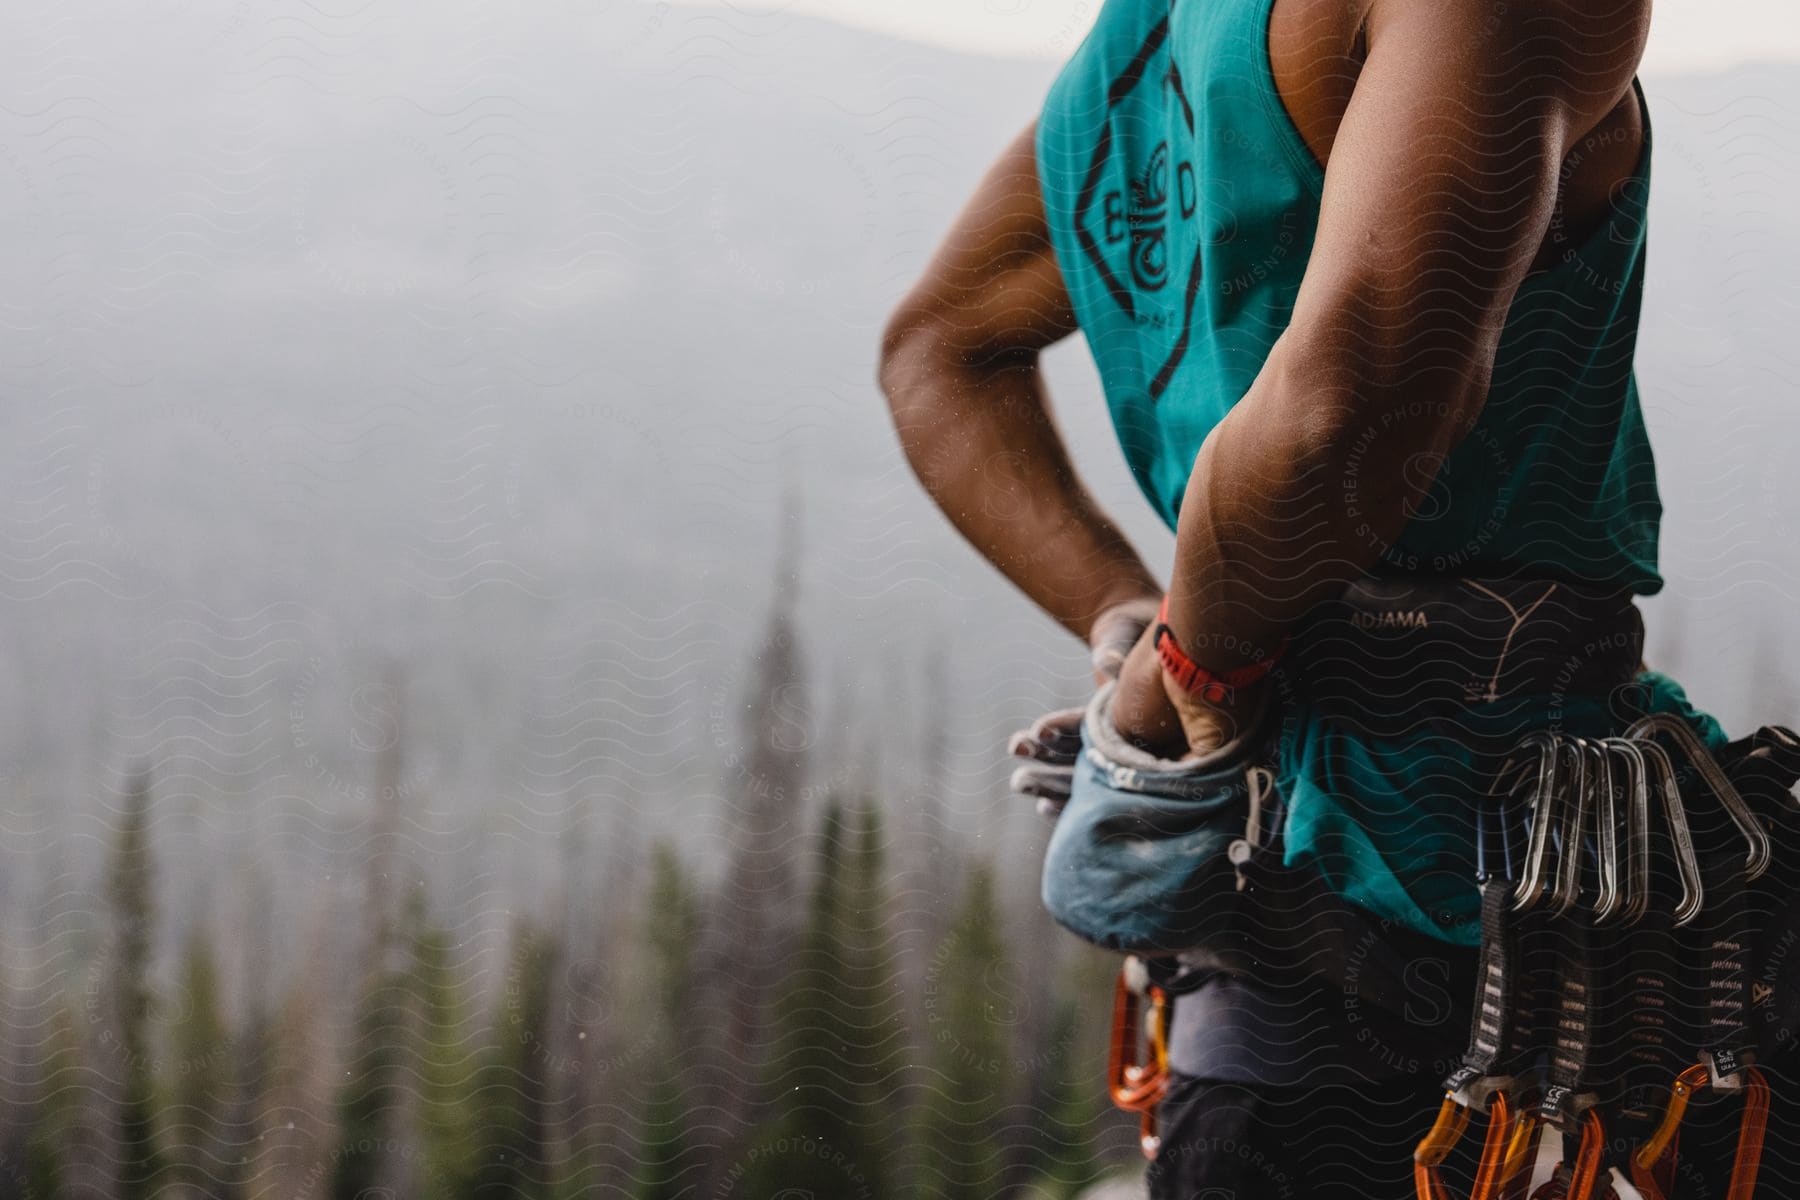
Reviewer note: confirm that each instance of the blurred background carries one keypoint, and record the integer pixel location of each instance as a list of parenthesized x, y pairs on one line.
[(491, 713)]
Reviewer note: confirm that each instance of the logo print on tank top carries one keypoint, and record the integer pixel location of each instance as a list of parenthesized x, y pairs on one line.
[(1149, 221), (1135, 218)]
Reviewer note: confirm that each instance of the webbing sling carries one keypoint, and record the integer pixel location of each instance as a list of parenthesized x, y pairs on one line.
[(1567, 1105), (1653, 1012), (1501, 1038), (1496, 996), (1507, 1025)]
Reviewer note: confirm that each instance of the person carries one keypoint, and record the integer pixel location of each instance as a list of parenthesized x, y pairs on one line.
[(1362, 280)]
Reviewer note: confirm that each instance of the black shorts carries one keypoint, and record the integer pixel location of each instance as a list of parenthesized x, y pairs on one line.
[(1245, 1141), (1302, 1090)]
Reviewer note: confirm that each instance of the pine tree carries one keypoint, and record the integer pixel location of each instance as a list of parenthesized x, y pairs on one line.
[(838, 1033), (959, 1155), (512, 1142), (372, 1088), (795, 1148), (875, 1061), (294, 1100), (129, 891), (42, 1165), (1066, 1109), (440, 1063), (750, 928), (199, 1091), (672, 930), (666, 1159), (373, 1093), (251, 1069)]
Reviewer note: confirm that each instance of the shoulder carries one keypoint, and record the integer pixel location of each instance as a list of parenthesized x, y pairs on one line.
[(1590, 26), (1575, 53)]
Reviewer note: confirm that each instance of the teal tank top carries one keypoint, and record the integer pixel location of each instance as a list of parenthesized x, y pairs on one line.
[(1182, 204)]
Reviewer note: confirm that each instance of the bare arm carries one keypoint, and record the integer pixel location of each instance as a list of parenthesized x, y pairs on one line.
[(959, 366), (1440, 189)]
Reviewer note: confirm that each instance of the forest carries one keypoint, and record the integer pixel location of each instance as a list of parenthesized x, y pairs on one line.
[(800, 1028)]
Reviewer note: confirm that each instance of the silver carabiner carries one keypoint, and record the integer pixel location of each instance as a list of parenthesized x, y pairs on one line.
[(1573, 816), (1609, 831), (1757, 859), (1687, 864), (1634, 886), (1542, 803)]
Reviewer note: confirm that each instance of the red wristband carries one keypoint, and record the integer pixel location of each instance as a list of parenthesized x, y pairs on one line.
[(1196, 680)]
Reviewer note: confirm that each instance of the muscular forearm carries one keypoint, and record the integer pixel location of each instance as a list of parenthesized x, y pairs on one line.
[(1302, 488), (1298, 491), (980, 437)]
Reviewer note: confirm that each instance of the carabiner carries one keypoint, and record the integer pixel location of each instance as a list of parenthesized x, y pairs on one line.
[(1588, 1156), (1752, 1127), (1452, 1122), (1585, 1175), (1634, 870), (1505, 1146), (1518, 1150), (1543, 805), (1687, 863), (1757, 857), (1609, 832), (1567, 889), (1135, 1085)]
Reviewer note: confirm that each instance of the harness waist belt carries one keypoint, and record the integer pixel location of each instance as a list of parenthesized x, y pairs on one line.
[(1395, 655)]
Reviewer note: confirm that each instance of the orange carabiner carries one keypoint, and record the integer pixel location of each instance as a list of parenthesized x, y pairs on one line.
[(1588, 1157), (1134, 1084), (1452, 1122), (1518, 1152), (1583, 1180), (1508, 1145), (1503, 1151), (1752, 1127)]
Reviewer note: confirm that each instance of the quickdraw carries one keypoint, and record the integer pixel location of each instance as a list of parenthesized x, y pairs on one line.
[(1727, 1058), (1502, 1033), (1570, 1103), (1138, 1085)]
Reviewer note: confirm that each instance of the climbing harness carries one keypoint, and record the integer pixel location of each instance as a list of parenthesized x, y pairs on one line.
[(1581, 1020)]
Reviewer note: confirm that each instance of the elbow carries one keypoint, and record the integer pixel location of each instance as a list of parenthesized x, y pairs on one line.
[(1393, 400), (899, 352), (920, 366), (902, 377), (910, 374), (1361, 433)]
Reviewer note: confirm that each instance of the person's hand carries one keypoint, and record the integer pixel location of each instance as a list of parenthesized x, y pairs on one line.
[(1159, 717), (1052, 743), (1116, 631), (1049, 749)]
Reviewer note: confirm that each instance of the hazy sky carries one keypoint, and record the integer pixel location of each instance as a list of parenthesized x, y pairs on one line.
[(1686, 35)]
